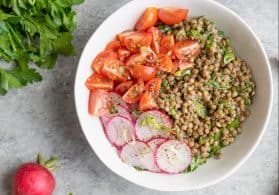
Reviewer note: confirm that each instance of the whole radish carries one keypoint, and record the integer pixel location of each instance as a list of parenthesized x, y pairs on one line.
[(35, 178)]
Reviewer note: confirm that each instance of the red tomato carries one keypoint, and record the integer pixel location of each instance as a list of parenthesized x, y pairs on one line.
[(145, 73), (169, 15), (148, 54), (98, 100), (98, 63), (134, 93), (134, 41), (147, 102), (186, 49), (97, 81), (175, 66), (153, 86), (116, 70), (121, 88), (121, 36), (167, 44), (148, 18), (113, 45), (135, 59), (123, 54), (164, 63), (156, 37)]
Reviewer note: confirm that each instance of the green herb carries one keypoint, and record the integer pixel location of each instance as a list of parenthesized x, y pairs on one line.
[(196, 162), (209, 41), (113, 110), (184, 72), (228, 57), (139, 168), (165, 83), (194, 34), (214, 150), (200, 109), (224, 49), (164, 28), (33, 31), (234, 124), (217, 135), (221, 34), (173, 112), (214, 84)]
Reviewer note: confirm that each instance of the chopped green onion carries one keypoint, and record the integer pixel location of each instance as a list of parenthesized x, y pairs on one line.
[(196, 162), (234, 124), (200, 109), (113, 110), (164, 28), (173, 112), (214, 84), (228, 57), (194, 34), (165, 83)]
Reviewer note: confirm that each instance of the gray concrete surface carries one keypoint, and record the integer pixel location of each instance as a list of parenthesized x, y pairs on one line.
[(41, 118)]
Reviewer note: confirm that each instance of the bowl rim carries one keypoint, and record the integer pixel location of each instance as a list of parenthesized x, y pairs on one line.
[(256, 142)]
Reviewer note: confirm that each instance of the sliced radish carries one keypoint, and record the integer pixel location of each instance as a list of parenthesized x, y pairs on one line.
[(119, 111), (173, 156), (155, 142), (115, 99), (145, 131), (139, 154), (119, 131)]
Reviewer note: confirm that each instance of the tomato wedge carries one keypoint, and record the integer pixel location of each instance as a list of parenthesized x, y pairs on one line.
[(148, 18), (187, 49), (135, 59), (183, 64), (153, 86), (123, 54), (167, 45), (121, 88), (147, 102), (97, 81), (156, 37), (116, 70), (98, 100), (113, 45), (175, 66), (122, 35), (164, 63), (134, 41), (148, 54), (99, 61), (171, 16), (134, 93), (145, 73)]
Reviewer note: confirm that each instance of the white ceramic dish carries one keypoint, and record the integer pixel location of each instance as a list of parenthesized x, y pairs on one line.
[(246, 45)]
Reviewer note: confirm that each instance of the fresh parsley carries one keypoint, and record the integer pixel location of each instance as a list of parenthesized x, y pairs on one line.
[(33, 32)]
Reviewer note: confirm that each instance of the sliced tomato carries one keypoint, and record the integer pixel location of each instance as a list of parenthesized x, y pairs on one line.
[(125, 33), (148, 54), (187, 49), (153, 86), (148, 19), (156, 37), (145, 73), (147, 102), (123, 54), (175, 66), (116, 70), (98, 63), (164, 63), (170, 15), (134, 93), (97, 81), (134, 41), (121, 88), (98, 100), (113, 45), (167, 45), (135, 59)]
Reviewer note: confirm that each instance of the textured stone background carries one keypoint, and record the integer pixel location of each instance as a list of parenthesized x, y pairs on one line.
[(41, 118)]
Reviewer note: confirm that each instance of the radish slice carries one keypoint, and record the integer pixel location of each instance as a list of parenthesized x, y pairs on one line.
[(173, 156), (115, 99), (119, 111), (120, 131), (155, 142), (139, 154), (146, 131)]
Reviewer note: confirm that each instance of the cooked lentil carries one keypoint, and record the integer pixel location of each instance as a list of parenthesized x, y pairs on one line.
[(210, 101)]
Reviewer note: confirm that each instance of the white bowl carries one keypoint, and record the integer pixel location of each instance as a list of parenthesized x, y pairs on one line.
[(246, 45)]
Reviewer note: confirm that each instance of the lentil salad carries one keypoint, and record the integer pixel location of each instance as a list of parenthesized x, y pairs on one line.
[(171, 93)]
